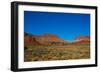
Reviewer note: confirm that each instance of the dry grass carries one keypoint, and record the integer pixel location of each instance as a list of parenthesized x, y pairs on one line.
[(45, 53)]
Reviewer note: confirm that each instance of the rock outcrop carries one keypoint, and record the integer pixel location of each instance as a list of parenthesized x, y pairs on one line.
[(51, 39), (83, 39), (46, 39)]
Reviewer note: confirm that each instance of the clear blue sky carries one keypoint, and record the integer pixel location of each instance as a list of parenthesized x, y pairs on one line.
[(65, 25)]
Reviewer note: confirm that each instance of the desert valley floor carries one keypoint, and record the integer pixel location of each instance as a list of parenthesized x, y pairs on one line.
[(51, 47), (45, 53)]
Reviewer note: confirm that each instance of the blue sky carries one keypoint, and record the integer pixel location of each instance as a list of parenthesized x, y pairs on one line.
[(65, 25)]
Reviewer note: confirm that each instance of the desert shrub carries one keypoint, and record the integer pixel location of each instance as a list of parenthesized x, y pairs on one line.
[(54, 52)]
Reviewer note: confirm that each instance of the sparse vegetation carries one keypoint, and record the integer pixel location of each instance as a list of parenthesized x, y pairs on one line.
[(51, 47), (54, 52)]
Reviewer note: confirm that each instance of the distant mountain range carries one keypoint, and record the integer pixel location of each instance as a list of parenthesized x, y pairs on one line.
[(51, 39)]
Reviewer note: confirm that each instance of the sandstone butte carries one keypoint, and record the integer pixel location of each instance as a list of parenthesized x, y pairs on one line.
[(51, 38)]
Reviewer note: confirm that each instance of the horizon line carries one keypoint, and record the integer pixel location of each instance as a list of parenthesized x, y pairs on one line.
[(57, 35)]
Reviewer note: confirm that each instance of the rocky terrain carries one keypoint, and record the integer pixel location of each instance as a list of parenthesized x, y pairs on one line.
[(52, 47), (51, 39)]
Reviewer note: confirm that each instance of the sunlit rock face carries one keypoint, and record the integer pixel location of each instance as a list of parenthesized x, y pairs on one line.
[(51, 39), (83, 39), (42, 39)]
